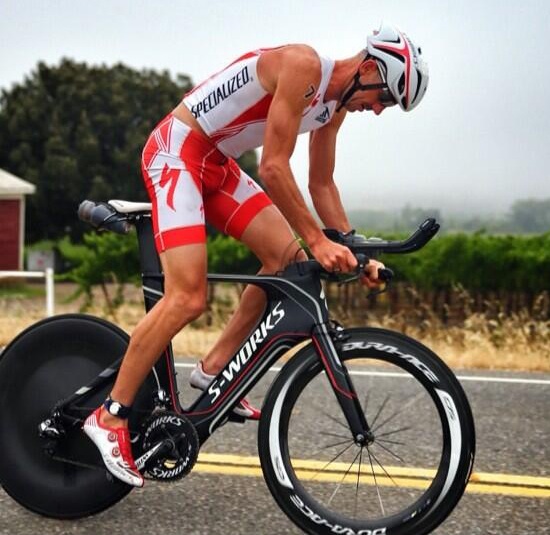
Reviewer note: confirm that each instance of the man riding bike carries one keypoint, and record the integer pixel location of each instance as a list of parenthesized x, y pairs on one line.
[(264, 98)]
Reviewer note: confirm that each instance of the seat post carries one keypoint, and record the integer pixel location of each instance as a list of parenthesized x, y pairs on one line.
[(151, 269)]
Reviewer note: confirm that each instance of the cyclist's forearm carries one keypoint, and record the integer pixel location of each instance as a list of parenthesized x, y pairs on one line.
[(327, 203), (281, 187)]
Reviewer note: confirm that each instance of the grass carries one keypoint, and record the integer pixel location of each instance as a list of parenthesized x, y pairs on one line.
[(20, 291), (482, 341)]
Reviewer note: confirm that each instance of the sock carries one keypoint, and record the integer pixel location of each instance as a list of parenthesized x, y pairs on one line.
[(200, 379)]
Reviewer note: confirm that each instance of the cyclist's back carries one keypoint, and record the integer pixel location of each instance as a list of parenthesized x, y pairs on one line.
[(232, 106)]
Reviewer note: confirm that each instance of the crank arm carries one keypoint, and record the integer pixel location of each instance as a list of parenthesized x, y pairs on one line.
[(153, 453)]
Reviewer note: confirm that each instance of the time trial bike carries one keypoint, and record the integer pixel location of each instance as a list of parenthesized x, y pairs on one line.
[(364, 431)]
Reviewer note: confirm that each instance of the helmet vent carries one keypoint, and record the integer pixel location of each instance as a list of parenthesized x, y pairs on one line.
[(401, 84), (396, 55), (418, 84)]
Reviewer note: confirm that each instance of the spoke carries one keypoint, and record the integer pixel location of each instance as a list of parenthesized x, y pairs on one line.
[(376, 483), (335, 420), (380, 411), (387, 433), (330, 446), (366, 403), (329, 434), (386, 421), (391, 452), (316, 407), (343, 477), (380, 465), (403, 408), (333, 459), (387, 441), (357, 486)]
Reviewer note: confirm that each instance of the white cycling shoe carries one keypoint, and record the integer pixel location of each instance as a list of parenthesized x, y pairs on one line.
[(201, 380), (115, 448)]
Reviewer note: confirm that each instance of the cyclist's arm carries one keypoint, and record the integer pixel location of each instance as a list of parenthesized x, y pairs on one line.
[(294, 81), (296, 75), (323, 190)]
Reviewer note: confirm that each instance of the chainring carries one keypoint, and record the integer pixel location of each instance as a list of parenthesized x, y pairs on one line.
[(181, 439)]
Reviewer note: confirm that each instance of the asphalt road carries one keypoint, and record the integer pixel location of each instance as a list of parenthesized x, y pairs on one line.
[(513, 437)]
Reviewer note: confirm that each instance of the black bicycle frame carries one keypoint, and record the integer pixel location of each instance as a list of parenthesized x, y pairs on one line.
[(296, 311)]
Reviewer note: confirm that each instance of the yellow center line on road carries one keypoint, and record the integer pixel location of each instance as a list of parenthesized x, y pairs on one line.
[(420, 478)]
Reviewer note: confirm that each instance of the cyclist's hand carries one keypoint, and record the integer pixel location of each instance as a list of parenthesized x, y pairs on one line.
[(369, 277), (333, 256)]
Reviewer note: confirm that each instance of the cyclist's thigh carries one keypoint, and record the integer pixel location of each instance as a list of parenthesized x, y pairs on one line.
[(184, 269), (271, 239), (242, 209), (176, 196)]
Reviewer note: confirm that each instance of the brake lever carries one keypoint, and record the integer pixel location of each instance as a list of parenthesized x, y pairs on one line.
[(362, 261)]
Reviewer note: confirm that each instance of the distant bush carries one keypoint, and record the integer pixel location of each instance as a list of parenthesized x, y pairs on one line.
[(105, 257), (102, 258), (478, 263)]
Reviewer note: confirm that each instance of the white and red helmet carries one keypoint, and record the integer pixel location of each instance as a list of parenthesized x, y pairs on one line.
[(406, 71)]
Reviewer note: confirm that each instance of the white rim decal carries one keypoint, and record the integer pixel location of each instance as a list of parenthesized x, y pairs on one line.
[(456, 442), (274, 444)]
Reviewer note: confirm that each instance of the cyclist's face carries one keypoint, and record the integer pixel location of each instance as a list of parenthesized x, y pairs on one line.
[(368, 100)]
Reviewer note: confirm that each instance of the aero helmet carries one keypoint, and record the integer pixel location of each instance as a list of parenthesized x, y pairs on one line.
[(406, 71)]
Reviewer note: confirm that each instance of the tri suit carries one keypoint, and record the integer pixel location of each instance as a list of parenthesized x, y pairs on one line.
[(190, 177)]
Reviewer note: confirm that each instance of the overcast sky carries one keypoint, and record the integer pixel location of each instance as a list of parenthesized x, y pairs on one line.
[(479, 140)]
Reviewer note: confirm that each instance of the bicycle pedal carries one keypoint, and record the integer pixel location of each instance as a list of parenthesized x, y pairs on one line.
[(236, 418)]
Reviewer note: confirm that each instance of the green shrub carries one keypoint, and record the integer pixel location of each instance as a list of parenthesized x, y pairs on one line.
[(102, 258), (478, 262)]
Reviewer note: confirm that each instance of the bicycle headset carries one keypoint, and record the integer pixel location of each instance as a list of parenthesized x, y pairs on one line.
[(403, 71)]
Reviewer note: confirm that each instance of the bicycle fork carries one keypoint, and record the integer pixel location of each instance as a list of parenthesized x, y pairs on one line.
[(342, 385)]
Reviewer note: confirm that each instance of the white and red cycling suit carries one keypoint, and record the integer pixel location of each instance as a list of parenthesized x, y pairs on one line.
[(190, 177)]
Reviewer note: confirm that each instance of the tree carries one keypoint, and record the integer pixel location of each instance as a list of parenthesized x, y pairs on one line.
[(76, 131), (412, 217), (530, 215)]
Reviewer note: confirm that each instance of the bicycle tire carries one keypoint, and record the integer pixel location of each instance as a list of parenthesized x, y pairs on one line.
[(44, 364), (301, 487)]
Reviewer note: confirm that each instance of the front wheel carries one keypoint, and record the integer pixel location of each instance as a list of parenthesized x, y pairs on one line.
[(407, 478)]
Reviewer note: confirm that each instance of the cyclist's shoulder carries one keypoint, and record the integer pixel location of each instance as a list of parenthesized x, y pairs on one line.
[(292, 57), (301, 55), (291, 65)]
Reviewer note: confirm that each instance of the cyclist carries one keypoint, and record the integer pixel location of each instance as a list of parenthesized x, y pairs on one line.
[(264, 98)]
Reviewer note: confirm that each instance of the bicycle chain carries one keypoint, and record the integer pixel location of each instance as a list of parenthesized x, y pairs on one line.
[(101, 467)]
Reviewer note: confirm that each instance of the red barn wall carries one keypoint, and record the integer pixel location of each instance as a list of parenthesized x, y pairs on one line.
[(9, 234)]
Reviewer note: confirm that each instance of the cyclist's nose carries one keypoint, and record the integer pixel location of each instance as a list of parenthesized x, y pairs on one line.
[(378, 108)]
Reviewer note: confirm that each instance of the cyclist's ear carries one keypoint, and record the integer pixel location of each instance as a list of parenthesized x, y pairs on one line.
[(368, 66)]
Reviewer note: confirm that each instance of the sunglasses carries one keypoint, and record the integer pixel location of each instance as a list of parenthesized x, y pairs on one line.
[(385, 96)]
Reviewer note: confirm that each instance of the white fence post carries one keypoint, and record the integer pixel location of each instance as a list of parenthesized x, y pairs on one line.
[(48, 275), (50, 296)]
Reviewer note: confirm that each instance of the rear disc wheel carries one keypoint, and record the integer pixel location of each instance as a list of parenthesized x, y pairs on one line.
[(45, 364)]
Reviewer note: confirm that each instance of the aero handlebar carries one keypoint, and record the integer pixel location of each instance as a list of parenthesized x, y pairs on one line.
[(372, 247), (104, 216)]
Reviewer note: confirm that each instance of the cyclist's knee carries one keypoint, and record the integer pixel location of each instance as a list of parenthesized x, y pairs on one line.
[(183, 306), (276, 259), (300, 256)]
